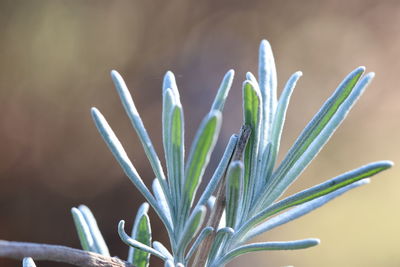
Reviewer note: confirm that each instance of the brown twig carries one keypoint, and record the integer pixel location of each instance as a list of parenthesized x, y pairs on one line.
[(77, 257), (216, 214)]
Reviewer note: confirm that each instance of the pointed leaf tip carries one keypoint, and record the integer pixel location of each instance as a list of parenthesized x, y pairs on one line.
[(141, 232)]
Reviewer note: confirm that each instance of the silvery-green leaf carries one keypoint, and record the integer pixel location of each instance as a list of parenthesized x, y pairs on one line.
[(252, 118), (263, 177), (268, 86), (223, 91), (136, 244), (300, 210), (278, 122), (177, 142), (172, 124), (192, 226), (203, 234), (123, 159), (219, 242), (199, 156), (163, 250), (169, 82), (316, 191), (28, 262), (161, 200), (168, 103), (141, 232), (250, 76), (289, 245), (219, 171), (316, 134), (82, 228), (99, 243), (138, 125), (175, 152), (234, 190)]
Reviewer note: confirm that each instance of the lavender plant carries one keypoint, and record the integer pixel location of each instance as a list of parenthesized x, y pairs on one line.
[(242, 198)]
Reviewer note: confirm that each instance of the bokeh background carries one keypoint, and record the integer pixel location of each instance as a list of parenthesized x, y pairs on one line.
[(55, 58)]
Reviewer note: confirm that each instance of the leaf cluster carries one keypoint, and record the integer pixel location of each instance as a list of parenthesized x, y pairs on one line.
[(246, 188)]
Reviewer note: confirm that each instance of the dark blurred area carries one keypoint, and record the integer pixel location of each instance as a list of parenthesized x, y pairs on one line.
[(55, 58)]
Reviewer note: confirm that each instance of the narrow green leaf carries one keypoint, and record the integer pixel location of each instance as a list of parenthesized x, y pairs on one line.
[(82, 228), (136, 244), (223, 91), (99, 243), (203, 234), (263, 177), (234, 179), (173, 142), (278, 122), (141, 232), (177, 147), (321, 119), (252, 118), (316, 134), (123, 159), (192, 226), (289, 245), (219, 171), (315, 192), (138, 125), (168, 103), (219, 242), (300, 210), (200, 153), (268, 86)]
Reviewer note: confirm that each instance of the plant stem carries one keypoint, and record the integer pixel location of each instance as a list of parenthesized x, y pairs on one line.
[(216, 214), (77, 257)]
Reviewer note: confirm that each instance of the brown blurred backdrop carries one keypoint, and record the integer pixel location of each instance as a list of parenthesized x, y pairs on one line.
[(55, 58)]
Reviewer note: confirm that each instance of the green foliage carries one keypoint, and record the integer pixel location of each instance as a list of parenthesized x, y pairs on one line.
[(252, 183), (141, 232)]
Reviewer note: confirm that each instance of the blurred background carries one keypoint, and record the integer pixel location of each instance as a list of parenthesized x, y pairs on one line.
[(55, 58)]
